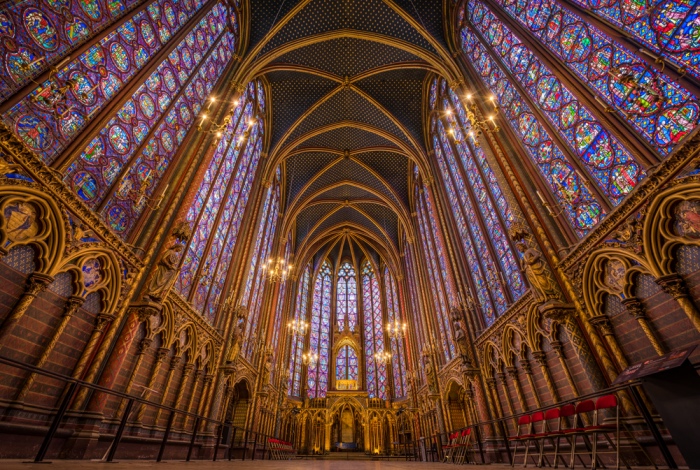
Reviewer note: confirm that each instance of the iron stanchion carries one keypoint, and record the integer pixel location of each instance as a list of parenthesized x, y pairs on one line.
[(245, 443), (166, 435), (56, 423), (504, 433), (219, 431), (255, 445), (233, 440), (479, 443), (194, 437), (652, 427), (120, 431)]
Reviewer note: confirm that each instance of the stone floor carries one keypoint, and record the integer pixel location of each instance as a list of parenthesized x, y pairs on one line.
[(237, 465)]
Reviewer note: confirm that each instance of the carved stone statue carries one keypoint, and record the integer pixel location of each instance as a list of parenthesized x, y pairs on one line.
[(460, 336), (535, 268), (267, 371), (237, 333), (430, 374), (164, 274)]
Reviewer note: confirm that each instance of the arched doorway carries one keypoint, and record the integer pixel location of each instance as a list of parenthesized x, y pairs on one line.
[(237, 410), (455, 406)]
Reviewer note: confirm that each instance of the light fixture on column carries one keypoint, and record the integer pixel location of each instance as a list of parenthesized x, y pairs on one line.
[(309, 358), (297, 327), (382, 357), (396, 329), (276, 270)]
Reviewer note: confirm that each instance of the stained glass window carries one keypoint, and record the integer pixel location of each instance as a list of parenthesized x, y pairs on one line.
[(346, 306), (657, 107), (279, 309), (582, 210), (398, 346), (666, 27), (219, 204), (439, 274), (376, 374), (121, 167), (346, 364), (295, 357), (255, 284), (413, 292), (319, 339), (96, 75)]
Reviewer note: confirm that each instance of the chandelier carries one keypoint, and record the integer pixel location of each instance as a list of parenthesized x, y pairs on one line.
[(396, 329), (382, 357), (276, 270), (297, 327), (309, 358)]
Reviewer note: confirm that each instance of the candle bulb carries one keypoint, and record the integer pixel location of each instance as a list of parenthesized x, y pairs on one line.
[(539, 194)]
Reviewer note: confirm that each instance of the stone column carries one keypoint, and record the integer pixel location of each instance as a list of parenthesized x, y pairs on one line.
[(186, 372), (558, 348), (101, 322), (674, 285), (72, 305), (512, 372), (36, 284), (136, 315), (541, 358), (143, 347), (198, 375), (174, 361), (208, 379), (528, 373), (635, 308), (160, 358)]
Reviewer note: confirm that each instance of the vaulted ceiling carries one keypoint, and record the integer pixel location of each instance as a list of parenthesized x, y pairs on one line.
[(346, 80)]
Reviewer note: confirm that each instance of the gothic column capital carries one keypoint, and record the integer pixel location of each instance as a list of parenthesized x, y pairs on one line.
[(512, 372), (102, 320), (161, 354), (146, 309), (174, 361), (634, 307), (144, 345), (557, 347), (36, 283), (673, 284), (540, 357), (73, 303), (602, 322)]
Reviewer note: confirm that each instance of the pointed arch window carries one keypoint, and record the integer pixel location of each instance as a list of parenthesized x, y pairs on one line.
[(346, 306), (659, 109), (376, 375), (481, 210), (218, 206), (295, 357), (413, 292), (319, 339), (121, 166), (398, 345), (255, 285), (346, 364), (439, 275), (279, 309)]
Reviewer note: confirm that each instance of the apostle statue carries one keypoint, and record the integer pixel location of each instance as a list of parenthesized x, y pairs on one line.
[(543, 286), (241, 314), (164, 274), (430, 373)]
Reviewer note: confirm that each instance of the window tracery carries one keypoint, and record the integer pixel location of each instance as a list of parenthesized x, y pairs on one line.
[(301, 306), (376, 374), (319, 339), (346, 306), (398, 345), (219, 205)]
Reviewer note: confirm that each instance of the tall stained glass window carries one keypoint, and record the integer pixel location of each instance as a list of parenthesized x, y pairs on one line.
[(439, 273), (219, 204), (376, 374), (346, 364), (657, 107), (297, 350), (481, 210), (319, 339), (255, 284), (346, 305), (119, 167), (97, 74), (279, 309), (413, 292), (398, 346)]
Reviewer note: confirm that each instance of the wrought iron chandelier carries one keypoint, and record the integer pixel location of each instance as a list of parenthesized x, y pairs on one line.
[(396, 329), (276, 270), (309, 358), (382, 357), (297, 326)]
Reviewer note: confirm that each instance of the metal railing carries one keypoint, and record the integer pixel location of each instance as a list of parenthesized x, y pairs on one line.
[(252, 441), (430, 448)]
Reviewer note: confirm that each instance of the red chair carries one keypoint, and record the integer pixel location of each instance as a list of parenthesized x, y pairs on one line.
[(538, 431), (523, 435), (553, 432), (449, 449), (463, 446)]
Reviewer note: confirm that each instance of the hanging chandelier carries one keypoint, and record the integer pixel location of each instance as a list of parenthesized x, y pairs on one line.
[(309, 358), (276, 270), (382, 357), (396, 329), (297, 327)]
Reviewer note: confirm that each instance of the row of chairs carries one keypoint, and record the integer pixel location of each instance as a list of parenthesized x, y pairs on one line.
[(571, 423), (459, 447), (281, 450)]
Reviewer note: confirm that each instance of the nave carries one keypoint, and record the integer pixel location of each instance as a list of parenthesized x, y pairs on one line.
[(387, 233)]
